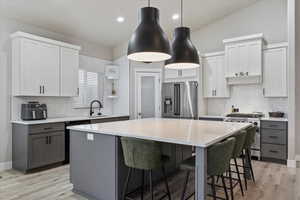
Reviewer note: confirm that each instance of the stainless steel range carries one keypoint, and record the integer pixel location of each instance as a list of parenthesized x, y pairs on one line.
[(253, 118)]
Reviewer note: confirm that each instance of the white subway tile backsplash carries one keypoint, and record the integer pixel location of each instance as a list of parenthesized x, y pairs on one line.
[(248, 98)]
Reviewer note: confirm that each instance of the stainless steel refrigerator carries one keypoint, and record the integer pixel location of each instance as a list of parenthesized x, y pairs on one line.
[(180, 100)]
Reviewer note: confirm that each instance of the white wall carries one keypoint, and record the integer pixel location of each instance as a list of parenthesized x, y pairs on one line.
[(121, 104), (6, 28), (265, 16), (297, 81)]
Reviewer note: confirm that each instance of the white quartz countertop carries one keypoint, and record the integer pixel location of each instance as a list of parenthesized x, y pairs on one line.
[(66, 119), (274, 119), (198, 133), (212, 116)]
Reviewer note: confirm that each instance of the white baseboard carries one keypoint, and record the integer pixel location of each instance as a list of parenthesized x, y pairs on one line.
[(5, 166), (291, 163)]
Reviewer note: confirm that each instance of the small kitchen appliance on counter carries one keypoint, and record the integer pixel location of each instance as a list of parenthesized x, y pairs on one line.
[(276, 114), (33, 111)]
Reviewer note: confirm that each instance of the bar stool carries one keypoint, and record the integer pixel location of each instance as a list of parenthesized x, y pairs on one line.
[(238, 149), (218, 159), (250, 139), (146, 156)]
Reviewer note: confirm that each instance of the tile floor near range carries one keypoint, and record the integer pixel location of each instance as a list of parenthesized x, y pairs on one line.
[(273, 182)]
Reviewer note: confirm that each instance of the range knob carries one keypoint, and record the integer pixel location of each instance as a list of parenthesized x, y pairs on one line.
[(255, 123)]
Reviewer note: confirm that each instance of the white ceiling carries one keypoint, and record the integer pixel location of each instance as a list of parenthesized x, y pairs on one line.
[(95, 20)]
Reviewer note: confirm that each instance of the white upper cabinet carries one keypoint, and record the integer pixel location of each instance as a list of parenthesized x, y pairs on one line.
[(171, 74), (214, 81), (69, 72), (275, 70), (43, 67), (243, 59)]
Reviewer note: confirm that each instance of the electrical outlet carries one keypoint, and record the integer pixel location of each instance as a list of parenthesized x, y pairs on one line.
[(90, 137)]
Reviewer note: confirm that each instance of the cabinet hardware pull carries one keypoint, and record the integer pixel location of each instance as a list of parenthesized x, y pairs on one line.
[(273, 137), (273, 151), (273, 125), (43, 89), (48, 128)]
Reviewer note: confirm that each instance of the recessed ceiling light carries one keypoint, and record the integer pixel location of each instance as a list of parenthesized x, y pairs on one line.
[(175, 16), (120, 19)]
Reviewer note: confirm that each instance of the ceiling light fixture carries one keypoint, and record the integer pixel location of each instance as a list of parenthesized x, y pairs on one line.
[(120, 19), (149, 43), (184, 53), (175, 16)]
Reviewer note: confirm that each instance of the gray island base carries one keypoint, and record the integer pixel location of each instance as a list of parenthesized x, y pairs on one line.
[(97, 170)]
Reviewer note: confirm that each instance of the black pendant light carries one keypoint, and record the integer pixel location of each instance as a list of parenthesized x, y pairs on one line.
[(149, 43), (184, 53)]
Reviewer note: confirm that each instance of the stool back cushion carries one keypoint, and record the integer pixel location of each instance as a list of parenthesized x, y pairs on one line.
[(219, 156), (141, 154), (239, 143), (250, 138)]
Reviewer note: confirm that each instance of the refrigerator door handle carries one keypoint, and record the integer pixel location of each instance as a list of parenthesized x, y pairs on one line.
[(176, 99)]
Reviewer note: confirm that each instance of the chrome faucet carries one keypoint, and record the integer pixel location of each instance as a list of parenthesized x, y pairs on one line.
[(91, 107)]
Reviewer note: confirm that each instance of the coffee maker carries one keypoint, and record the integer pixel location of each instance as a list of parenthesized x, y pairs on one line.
[(33, 111)]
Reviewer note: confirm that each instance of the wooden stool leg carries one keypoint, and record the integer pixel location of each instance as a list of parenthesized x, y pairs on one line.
[(239, 176), (143, 184), (166, 182), (126, 184), (185, 184), (151, 184)]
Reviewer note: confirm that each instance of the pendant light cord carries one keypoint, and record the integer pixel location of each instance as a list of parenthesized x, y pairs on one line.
[(181, 13)]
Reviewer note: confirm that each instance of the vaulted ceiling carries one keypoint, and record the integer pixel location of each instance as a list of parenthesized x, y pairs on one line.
[(95, 20)]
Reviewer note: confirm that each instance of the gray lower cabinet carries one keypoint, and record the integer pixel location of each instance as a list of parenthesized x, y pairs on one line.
[(274, 141), (37, 146), (93, 161)]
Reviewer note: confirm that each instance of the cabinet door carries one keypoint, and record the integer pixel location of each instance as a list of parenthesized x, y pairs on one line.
[(171, 73), (242, 57), (69, 65), (49, 64), (56, 147), (30, 68), (209, 72), (38, 150), (222, 89), (275, 72), (232, 60), (254, 66)]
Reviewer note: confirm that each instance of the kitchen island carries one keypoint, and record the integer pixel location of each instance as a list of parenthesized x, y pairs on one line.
[(96, 153)]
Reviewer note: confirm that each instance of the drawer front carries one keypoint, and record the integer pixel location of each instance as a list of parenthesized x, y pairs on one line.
[(274, 125), (45, 128), (274, 136), (273, 151)]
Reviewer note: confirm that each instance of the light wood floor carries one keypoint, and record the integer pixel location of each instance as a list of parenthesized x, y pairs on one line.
[(274, 182)]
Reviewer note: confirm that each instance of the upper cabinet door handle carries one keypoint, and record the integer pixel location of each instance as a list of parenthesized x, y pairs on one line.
[(40, 89)]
